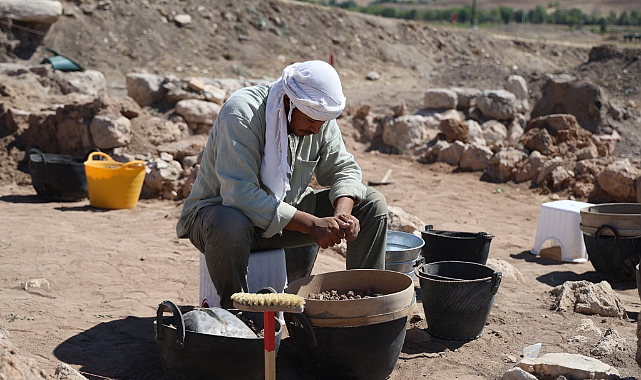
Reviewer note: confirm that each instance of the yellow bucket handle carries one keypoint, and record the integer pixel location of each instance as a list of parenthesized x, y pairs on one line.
[(99, 154), (135, 164)]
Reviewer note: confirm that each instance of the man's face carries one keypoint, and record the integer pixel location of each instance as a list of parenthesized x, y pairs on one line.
[(303, 125)]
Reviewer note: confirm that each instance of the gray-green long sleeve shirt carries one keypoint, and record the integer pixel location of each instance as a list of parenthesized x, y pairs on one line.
[(229, 172)]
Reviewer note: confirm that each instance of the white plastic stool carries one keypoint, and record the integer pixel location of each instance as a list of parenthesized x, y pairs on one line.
[(560, 221), (266, 268)]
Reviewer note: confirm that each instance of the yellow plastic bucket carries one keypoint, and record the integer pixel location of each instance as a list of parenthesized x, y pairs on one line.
[(112, 184)]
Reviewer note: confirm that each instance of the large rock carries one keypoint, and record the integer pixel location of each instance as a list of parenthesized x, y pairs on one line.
[(497, 104), (509, 271), (65, 372), (440, 98), (162, 177), (557, 133), (609, 344), (588, 298), (619, 180), (503, 165), (110, 131), (517, 85), (199, 114), (145, 89), (465, 96), (547, 168), (215, 94), (531, 167), (399, 220), (368, 128), (15, 366), (89, 82), (475, 157), (581, 98), (539, 140), (517, 373), (452, 154), (514, 132), (475, 133), (123, 105), (186, 147), (455, 130), (495, 134), (570, 366), (39, 11), (408, 131)]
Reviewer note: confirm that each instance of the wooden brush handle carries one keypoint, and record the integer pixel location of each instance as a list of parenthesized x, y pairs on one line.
[(258, 308)]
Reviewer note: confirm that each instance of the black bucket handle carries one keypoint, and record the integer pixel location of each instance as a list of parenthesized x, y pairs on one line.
[(604, 227), (496, 281), (39, 153), (44, 163), (178, 320), (479, 242), (307, 326)]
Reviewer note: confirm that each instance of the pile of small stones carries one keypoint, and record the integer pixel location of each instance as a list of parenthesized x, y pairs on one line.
[(337, 295)]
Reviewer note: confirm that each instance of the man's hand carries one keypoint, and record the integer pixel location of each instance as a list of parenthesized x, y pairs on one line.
[(350, 225), (327, 232), (343, 214)]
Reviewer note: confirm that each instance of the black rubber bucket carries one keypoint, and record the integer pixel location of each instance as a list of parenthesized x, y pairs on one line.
[(57, 177), (348, 353), (457, 297), (455, 246), (613, 257), (188, 355)]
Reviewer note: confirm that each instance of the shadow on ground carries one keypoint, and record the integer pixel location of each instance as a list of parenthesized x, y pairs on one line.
[(126, 349), (118, 349), (22, 199), (541, 259)]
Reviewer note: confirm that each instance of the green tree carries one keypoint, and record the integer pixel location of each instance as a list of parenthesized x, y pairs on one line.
[(537, 15), (388, 12), (624, 19), (603, 25), (507, 14)]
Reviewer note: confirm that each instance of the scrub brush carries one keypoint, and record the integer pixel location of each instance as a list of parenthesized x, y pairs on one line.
[(268, 303)]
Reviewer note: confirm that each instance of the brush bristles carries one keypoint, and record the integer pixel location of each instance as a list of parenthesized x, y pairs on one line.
[(268, 299)]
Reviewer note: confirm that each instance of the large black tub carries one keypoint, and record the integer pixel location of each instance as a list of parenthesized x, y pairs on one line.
[(357, 338), (457, 297), (57, 177), (188, 355), (613, 257), (348, 353)]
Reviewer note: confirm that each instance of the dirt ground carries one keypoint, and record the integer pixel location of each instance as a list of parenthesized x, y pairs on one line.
[(108, 270)]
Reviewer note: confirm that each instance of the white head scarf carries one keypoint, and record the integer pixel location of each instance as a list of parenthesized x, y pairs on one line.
[(315, 89)]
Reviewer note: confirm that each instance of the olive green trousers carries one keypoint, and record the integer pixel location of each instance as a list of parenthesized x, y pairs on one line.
[(227, 238)]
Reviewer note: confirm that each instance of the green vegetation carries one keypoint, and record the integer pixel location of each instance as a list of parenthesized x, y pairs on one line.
[(573, 17)]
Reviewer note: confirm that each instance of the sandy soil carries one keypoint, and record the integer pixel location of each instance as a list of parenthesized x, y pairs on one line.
[(108, 271)]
